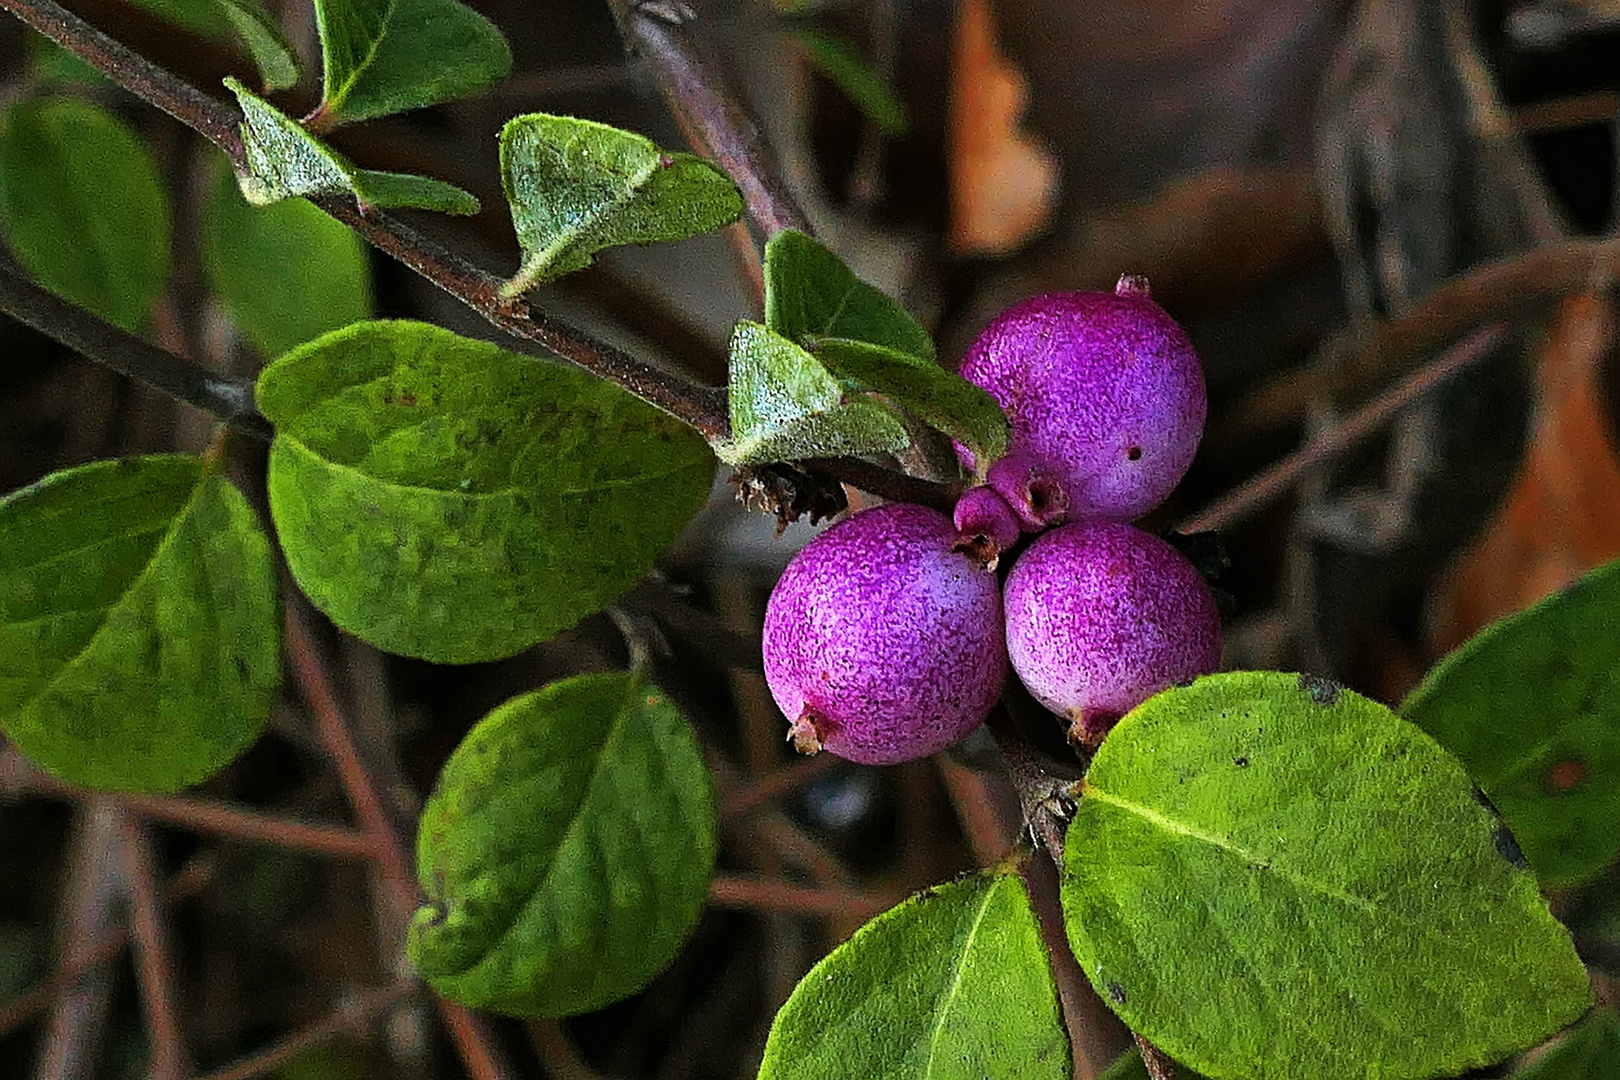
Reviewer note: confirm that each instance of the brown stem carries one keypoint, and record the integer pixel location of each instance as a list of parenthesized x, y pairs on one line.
[(312, 672), (154, 967), (1159, 1067), (1277, 481), (774, 784), (1096, 1036), (1498, 290), (763, 895), (227, 397), (659, 31), (350, 1018), (197, 814)]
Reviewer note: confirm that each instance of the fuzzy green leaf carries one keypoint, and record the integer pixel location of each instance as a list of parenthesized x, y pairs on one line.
[(83, 208), (272, 52), (285, 161), (941, 399), (577, 187), (1590, 1052), (837, 59), (443, 498), (387, 56), (566, 851), (1272, 878), (139, 623), (786, 406), (1532, 706), (953, 984), (287, 273), (48, 62), (810, 294)]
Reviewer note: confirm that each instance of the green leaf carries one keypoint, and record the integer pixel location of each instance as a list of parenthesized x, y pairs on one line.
[(566, 851), (1590, 1052), (285, 161), (387, 56), (83, 208), (953, 984), (785, 406), (810, 294), (252, 25), (286, 272), (837, 59), (1270, 877), (1532, 706), (577, 187), (272, 52), (443, 498), (139, 623), (942, 399)]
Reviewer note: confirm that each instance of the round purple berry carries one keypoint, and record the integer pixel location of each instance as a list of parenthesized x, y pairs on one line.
[(985, 525), (1101, 616), (1103, 392), (883, 641)]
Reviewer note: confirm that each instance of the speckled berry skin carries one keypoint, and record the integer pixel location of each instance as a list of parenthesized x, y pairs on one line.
[(884, 639), (1101, 616), (1102, 389)]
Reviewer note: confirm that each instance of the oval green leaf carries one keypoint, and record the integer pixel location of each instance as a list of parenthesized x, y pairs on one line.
[(953, 984), (443, 498), (286, 273), (285, 161), (1590, 1052), (1532, 706), (576, 187), (786, 406), (387, 56), (1270, 877), (566, 850), (810, 294), (139, 623), (83, 208)]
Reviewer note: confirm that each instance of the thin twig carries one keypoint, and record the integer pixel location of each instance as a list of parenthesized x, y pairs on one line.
[(19, 1010), (1096, 1036), (207, 816), (754, 894), (312, 672), (1277, 481), (228, 397), (73, 1037), (1496, 291), (700, 406), (658, 30), (353, 1017), (776, 783), (154, 966)]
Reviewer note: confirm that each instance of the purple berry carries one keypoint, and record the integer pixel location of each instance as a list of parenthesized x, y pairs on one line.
[(883, 642), (985, 524), (1103, 393), (1101, 616)]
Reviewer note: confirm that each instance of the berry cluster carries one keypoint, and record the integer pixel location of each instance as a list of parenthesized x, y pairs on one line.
[(889, 636)]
